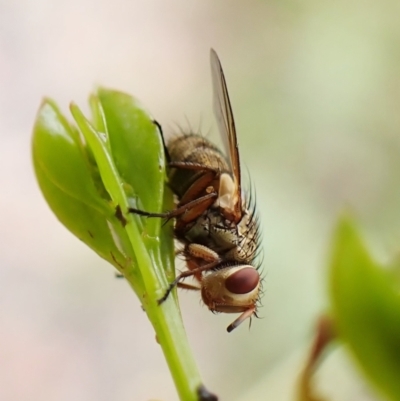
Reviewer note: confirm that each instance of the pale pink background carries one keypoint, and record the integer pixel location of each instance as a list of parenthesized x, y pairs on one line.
[(315, 88)]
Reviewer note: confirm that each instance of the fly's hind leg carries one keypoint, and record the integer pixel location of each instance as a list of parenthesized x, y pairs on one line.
[(199, 205), (190, 287), (196, 200), (160, 130)]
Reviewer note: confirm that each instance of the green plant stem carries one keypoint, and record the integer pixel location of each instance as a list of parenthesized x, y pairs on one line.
[(171, 336), (165, 318)]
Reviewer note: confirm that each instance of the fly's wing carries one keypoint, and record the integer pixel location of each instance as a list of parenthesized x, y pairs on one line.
[(226, 124)]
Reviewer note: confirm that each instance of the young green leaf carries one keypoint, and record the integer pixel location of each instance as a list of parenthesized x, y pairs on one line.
[(90, 178), (67, 183)]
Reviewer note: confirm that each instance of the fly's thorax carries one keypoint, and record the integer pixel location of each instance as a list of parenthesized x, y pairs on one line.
[(223, 232), (247, 239), (239, 241), (214, 231), (231, 289), (235, 242), (199, 232), (193, 149)]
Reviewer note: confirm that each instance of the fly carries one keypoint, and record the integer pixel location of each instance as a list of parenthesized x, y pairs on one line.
[(215, 220)]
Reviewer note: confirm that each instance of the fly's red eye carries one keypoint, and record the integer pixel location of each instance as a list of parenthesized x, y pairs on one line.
[(242, 281)]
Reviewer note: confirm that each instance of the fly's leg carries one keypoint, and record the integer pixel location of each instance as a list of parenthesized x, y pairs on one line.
[(197, 199), (198, 205), (197, 255), (205, 182), (158, 125), (193, 166), (202, 186), (183, 275), (201, 252), (209, 258), (190, 287)]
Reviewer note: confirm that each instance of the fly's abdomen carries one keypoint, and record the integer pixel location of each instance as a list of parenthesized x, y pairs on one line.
[(193, 150)]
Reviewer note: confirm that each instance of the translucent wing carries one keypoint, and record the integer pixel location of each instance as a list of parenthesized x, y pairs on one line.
[(226, 124)]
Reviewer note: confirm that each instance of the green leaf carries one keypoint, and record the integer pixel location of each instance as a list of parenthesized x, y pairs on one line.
[(115, 161), (87, 223), (139, 158), (67, 183), (58, 151), (366, 309)]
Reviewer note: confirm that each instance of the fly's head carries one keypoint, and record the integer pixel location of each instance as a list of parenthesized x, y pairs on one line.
[(232, 289)]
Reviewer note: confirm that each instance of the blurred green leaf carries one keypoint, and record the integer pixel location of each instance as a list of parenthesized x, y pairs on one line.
[(366, 309)]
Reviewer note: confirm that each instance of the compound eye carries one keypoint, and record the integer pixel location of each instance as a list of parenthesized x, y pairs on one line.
[(243, 281)]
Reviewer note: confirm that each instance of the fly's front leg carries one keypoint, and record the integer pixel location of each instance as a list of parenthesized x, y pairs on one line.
[(197, 255), (202, 252), (199, 259)]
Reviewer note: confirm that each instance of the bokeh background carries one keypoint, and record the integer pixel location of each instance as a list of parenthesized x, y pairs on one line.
[(315, 88)]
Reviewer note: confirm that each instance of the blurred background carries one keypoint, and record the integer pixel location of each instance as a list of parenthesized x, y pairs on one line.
[(315, 89)]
